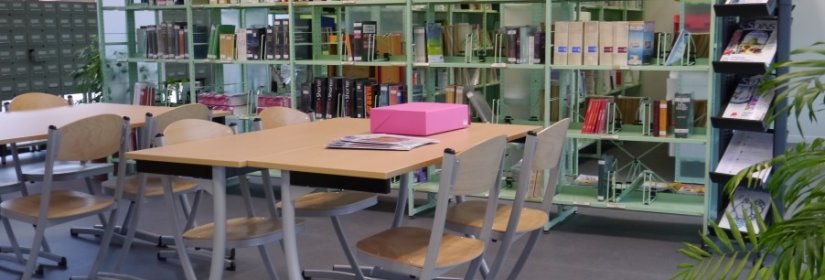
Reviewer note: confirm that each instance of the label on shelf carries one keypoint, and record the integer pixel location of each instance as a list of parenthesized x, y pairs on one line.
[(615, 205), (499, 65), (345, 2), (347, 62), (422, 64), (581, 203)]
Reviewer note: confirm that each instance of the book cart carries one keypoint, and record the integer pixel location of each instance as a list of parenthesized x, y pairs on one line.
[(546, 91)]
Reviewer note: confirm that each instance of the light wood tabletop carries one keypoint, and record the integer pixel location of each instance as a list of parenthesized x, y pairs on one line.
[(33, 125), (379, 164)]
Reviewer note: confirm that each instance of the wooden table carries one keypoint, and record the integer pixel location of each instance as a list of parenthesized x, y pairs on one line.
[(299, 152)]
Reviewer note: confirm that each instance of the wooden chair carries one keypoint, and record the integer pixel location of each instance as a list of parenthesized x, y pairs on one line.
[(249, 231), (28, 102), (83, 140), (542, 153), (321, 204), (154, 187), (428, 253)]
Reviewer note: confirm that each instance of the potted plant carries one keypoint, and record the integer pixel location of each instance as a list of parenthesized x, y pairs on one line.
[(793, 245)]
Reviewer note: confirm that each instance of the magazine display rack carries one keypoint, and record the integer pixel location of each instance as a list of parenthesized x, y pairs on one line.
[(728, 132)]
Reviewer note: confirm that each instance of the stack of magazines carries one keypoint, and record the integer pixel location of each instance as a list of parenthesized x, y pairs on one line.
[(380, 142)]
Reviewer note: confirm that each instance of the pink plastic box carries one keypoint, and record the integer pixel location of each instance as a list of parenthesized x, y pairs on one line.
[(419, 118)]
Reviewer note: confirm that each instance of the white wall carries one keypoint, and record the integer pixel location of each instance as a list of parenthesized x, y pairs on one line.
[(809, 19)]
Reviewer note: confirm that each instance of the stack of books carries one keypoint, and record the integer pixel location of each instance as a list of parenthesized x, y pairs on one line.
[(168, 40), (260, 43), (332, 97), (597, 116), (616, 43)]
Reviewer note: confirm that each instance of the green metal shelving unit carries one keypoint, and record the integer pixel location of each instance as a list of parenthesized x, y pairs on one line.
[(567, 197)]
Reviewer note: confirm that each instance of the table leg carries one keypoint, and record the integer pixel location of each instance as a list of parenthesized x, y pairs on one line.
[(288, 216), (401, 203), (219, 236)]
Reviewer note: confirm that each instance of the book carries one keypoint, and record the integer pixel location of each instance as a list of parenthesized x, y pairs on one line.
[(282, 39), (348, 98), (380, 142), (270, 48), (307, 99), (576, 42), (320, 95), (420, 41), (227, 46), (512, 38), (754, 41), (683, 114), (524, 45), (743, 208), (591, 43), (654, 115), (734, 2), (606, 165), (240, 40), (747, 103), (560, 43), (539, 48), (606, 42), (369, 30), (620, 39), (360, 99), (435, 44), (357, 41), (334, 88), (640, 42), (663, 118)]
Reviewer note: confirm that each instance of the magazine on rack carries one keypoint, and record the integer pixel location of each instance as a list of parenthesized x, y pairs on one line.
[(380, 142), (747, 103)]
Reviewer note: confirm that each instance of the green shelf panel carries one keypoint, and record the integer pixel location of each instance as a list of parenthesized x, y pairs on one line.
[(472, 1), (701, 65), (241, 62), (144, 8), (147, 60), (458, 11), (351, 3), (612, 9), (241, 5), (680, 204), (634, 133), (478, 65)]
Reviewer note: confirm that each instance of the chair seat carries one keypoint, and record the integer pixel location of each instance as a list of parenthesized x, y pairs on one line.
[(333, 203), (408, 245), (471, 214), (68, 170), (154, 186), (63, 204), (238, 229)]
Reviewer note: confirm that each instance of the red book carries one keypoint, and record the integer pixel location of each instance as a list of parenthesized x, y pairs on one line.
[(588, 115), (602, 118)]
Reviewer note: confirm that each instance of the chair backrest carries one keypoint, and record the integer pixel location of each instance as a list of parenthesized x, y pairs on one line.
[(275, 117), (542, 153), (36, 101), (157, 124), (473, 171), (192, 130), (88, 139)]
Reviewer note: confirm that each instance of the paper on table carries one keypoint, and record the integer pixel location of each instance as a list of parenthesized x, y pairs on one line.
[(380, 142)]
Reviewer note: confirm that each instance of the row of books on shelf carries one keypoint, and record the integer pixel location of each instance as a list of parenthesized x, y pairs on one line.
[(260, 43), (240, 103), (169, 40), (628, 4), (598, 115), (619, 43), (513, 44), (331, 97), (601, 82), (361, 44), (659, 118)]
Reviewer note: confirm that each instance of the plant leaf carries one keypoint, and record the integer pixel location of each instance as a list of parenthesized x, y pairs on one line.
[(736, 234)]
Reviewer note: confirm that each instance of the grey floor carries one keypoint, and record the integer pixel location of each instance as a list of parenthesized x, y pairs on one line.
[(593, 244)]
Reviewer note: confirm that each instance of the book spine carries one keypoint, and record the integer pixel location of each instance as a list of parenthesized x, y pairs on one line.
[(591, 43), (347, 96), (605, 164), (420, 44), (620, 39), (369, 30), (333, 97), (663, 119), (588, 115), (606, 43), (384, 95), (306, 98), (357, 41), (435, 44), (560, 43), (538, 48), (271, 50), (683, 113), (360, 100), (576, 42), (284, 39), (320, 98), (512, 34)]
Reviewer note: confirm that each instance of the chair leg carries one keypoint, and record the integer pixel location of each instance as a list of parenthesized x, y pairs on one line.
[(190, 222), (31, 263), (268, 262), (503, 251), (90, 185), (104, 245), (474, 267), (13, 240), (180, 246), (131, 228), (342, 238), (528, 248)]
